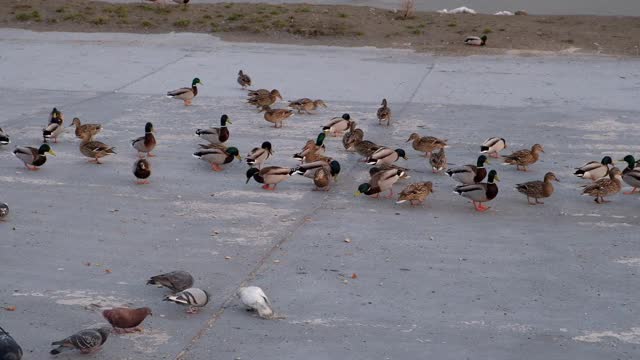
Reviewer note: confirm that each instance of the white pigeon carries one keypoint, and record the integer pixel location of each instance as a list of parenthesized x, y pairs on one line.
[(254, 298)]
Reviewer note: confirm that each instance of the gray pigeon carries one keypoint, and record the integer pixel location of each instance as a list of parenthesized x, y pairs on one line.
[(87, 341), (9, 348), (193, 297), (175, 280), (4, 211)]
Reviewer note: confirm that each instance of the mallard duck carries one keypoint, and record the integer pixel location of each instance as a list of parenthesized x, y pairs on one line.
[(142, 171), (54, 116), (352, 135), (270, 175), (386, 155), (276, 116), (476, 41), (4, 138), (217, 135), (186, 94), (605, 187), (323, 173), (86, 131), (538, 189), (384, 167), (379, 182), (338, 125), (54, 129), (415, 193), (217, 157), (95, 150), (426, 144), (438, 161), (306, 105), (524, 158), (243, 79), (269, 99), (470, 174), (481, 192), (631, 174), (492, 146), (313, 157), (312, 147), (213, 146), (4, 210), (384, 113), (257, 156), (308, 169), (146, 143), (594, 170), (364, 148), (259, 92), (33, 157)]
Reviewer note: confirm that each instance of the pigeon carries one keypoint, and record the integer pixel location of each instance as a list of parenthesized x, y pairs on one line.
[(193, 297), (254, 298), (9, 348), (87, 341), (175, 281), (126, 319), (4, 210), (4, 138)]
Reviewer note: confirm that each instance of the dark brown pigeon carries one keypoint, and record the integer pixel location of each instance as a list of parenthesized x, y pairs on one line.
[(87, 341), (9, 348), (175, 280), (126, 319)]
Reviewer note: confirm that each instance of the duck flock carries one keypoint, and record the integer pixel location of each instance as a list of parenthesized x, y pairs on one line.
[(316, 165)]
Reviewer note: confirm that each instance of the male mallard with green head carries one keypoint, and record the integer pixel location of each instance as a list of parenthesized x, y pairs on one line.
[(216, 135), (480, 193), (492, 146), (257, 156), (380, 181), (386, 155), (475, 40), (312, 147), (631, 174), (338, 125), (538, 189), (594, 170), (216, 156), (270, 175), (33, 157), (145, 144), (186, 94), (470, 174)]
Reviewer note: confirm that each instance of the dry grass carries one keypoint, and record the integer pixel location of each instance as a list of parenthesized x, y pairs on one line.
[(334, 25)]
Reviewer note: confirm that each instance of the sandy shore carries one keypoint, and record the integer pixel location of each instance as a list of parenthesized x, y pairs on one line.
[(337, 25)]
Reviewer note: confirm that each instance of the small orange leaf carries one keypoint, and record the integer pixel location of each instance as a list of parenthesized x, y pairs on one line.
[(10, 308), (354, 276), (108, 271)]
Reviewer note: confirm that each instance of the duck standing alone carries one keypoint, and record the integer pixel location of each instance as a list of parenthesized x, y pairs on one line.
[(33, 157), (186, 94)]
